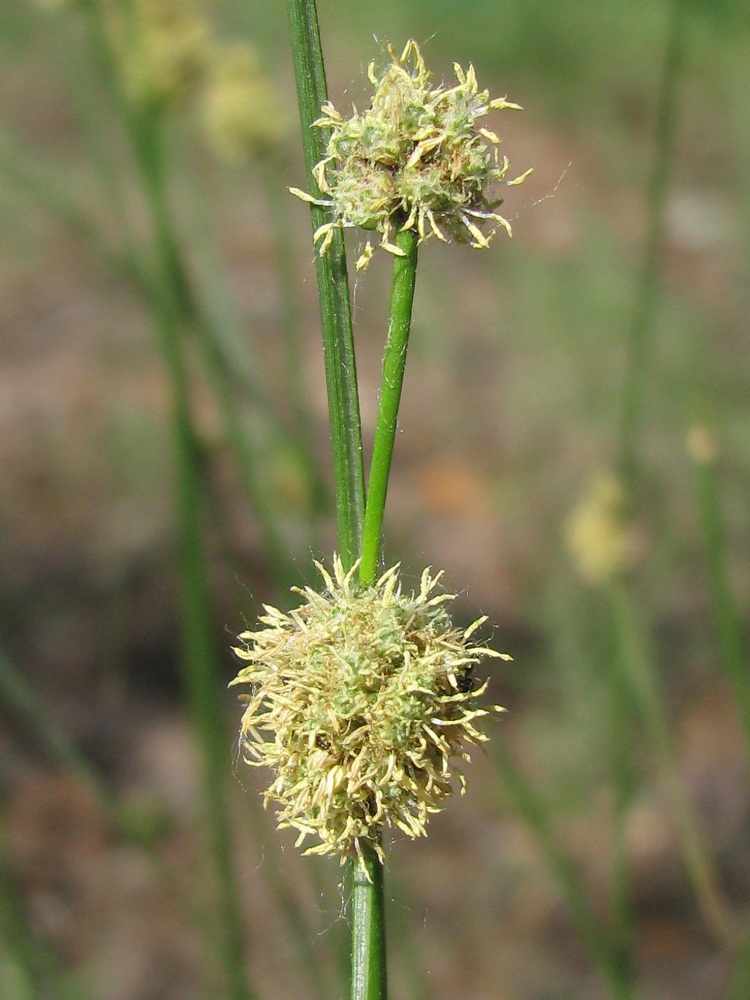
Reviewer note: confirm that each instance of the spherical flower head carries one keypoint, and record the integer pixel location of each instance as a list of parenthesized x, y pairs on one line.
[(240, 110), (415, 159), (161, 47), (597, 534), (361, 700)]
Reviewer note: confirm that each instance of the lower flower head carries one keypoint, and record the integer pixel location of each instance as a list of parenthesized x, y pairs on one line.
[(361, 700)]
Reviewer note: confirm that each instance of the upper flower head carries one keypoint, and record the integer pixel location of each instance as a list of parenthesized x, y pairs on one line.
[(415, 159), (359, 701)]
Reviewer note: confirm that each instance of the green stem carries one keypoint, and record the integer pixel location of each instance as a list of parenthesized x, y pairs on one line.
[(739, 986), (647, 288), (369, 981), (368, 918), (200, 661), (394, 364), (246, 452), (19, 696), (728, 630), (21, 168), (187, 308), (636, 663), (333, 291), (527, 804), (368, 926), (624, 786), (22, 960)]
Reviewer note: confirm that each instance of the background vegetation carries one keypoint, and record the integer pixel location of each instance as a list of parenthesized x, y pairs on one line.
[(601, 848)]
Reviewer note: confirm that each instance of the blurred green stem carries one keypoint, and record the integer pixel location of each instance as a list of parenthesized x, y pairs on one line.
[(18, 695), (186, 306), (28, 969), (647, 287), (394, 364), (594, 935), (199, 658), (728, 631), (739, 986), (640, 335), (638, 669), (54, 741), (39, 188), (624, 786)]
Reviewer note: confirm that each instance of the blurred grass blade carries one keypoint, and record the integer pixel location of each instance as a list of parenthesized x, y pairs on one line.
[(739, 986), (28, 970), (199, 659), (63, 752), (20, 697), (643, 319), (638, 668), (38, 187), (728, 631), (533, 811)]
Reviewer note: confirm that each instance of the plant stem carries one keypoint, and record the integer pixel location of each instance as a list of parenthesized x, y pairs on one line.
[(20, 698), (394, 364), (333, 292), (739, 986), (620, 713), (369, 980), (728, 631), (636, 663), (527, 804), (199, 658), (359, 527), (368, 917), (647, 286), (20, 168), (28, 968), (640, 333)]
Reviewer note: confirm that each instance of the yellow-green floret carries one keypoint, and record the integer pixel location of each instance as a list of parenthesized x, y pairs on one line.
[(598, 535), (361, 700), (415, 159)]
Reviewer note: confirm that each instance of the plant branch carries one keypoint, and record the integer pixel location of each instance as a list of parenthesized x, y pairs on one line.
[(394, 364)]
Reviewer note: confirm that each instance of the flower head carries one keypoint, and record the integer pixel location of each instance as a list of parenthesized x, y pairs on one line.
[(161, 47), (241, 112), (598, 536), (415, 159), (360, 701)]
